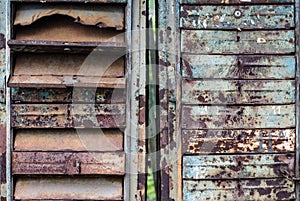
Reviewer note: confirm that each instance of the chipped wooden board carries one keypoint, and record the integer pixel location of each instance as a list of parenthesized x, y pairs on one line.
[(71, 188), (229, 2), (233, 117), (238, 67), (68, 95), (234, 17), (68, 140), (68, 65), (228, 190), (101, 16), (245, 42), (238, 166), (238, 92), (69, 163), (238, 141)]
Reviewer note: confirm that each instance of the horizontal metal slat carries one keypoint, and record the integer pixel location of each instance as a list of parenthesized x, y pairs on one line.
[(229, 2), (245, 42), (249, 17), (68, 116), (71, 188), (238, 67), (46, 163), (238, 166), (231, 117), (238, 92), (68, 140), (250, 190), (238, 141)]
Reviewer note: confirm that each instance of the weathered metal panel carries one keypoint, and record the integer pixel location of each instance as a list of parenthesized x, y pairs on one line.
[(238, 141), (62, 188), (48, 81), (102, 16), (68, 116), (229, 117), (70, 163), (67, 65), (245, 42), (68, 140), (238, 92), (238, 67), (229, 2), (234, 17), (238, 166), (68, 95), (229, 190)]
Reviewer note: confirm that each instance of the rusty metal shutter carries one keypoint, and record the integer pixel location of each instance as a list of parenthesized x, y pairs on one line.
[(75, 89), (229, 99)]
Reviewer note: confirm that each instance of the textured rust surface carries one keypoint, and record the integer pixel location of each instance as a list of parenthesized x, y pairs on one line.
[(68, 116), (238, 67), (238, 141), (222, 2), (99, 140), (250, 17), (41, 163)]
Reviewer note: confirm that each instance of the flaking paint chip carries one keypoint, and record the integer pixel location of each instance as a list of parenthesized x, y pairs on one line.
[(261, 40)]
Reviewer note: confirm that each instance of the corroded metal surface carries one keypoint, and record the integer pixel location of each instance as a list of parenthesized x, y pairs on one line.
[(238, 67), (238, 92), (245, 190), (68, 116), (38, 163), (249, 17), (68, 95), (238, 166), (71, 188), (248, 117), (101, 16), (69, 140), (239, 141), (245, 42), (219, 2)]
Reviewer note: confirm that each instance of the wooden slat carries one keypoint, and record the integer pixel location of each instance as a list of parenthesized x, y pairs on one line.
[(45, 163), (254, 190), (68, 140), (223, 17), (245, 42), (231, 117), (68, 65), (238, 141), (238, 92), (68, 188), (101, 16), (229, 2), (238, 166), (75, 1), (68, 116), (238, 67), (68, 95), (23, 81)]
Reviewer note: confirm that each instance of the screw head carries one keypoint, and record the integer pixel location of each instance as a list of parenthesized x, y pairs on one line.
[(238, 14)]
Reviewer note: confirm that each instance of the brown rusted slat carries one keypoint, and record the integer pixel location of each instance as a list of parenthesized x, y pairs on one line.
[(245, 42), (68, 95), (68, 163), (234, 17), (230, 117), (238, 92), (238, 166), (254, 190), (68, 140), (101, 16), (71, 188), (229, 2), (68, 65), (238, 67), (48, 81), (238, 141), (68, 116)]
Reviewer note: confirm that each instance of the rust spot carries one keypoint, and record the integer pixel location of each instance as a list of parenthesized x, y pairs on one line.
[(2, 41)]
